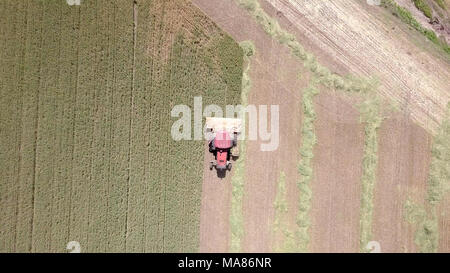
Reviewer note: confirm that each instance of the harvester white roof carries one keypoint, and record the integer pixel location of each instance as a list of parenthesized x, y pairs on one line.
[(231, 125)]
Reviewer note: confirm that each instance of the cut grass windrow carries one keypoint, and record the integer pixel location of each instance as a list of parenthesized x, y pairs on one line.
[(426, 218), (238, 179), (371, 118), (284, 237), (370, 112), (305, 167)]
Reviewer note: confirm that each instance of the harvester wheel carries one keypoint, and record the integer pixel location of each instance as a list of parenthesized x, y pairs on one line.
[(211, 165), (212, 148), (229, 166)]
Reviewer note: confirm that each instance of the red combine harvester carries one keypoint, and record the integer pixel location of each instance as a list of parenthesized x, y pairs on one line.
[(223, 141)]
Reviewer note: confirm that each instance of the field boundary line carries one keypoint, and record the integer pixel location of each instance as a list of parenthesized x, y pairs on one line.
[(305, 166)]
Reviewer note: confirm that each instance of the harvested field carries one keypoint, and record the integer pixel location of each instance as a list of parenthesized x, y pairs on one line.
[(86, 95), (350, 160), (402, 173), (337, 174)]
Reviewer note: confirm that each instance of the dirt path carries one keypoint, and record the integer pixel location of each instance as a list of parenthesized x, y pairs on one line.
[(215, 209)]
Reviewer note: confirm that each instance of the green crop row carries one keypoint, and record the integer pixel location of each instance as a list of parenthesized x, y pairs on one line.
[(424, 8), (426, 236)]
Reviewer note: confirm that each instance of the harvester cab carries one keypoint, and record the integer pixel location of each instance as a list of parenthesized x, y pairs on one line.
[(223, 133)]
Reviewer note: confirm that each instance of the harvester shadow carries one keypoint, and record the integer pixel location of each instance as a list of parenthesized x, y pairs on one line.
[(221, 174)]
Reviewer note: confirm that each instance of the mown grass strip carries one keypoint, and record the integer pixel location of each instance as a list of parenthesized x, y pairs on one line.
[(371, 117), (238, 179), (409, 19), (305, 166), (284, 237), (426, 218)]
